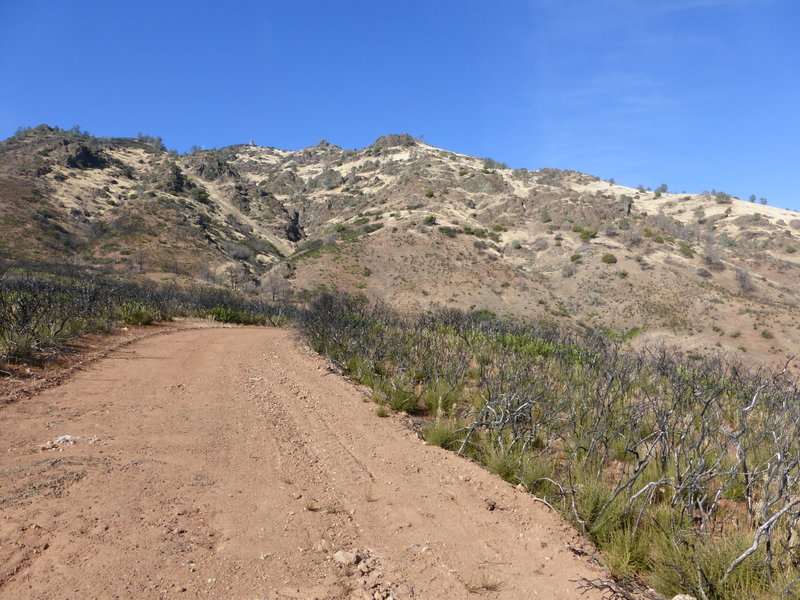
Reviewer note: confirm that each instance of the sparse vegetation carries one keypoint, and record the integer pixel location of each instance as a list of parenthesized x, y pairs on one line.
[(670, 465), (722, 198), (745, 281), (609, 258), (652, 454), (40, 311), (486, 583), (491, 164), (585, 234)]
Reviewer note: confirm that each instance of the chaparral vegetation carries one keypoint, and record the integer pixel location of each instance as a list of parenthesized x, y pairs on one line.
[(685, 473)]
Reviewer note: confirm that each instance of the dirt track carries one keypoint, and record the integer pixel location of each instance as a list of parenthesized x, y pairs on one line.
[(231, 463)]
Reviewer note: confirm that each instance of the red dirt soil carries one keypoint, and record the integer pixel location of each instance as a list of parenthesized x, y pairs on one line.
[(232, 463)]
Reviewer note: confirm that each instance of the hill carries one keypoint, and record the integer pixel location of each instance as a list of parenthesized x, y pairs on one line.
[(415, 226)]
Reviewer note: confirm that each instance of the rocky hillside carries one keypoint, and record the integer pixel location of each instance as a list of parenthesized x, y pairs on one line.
[(415, 226)]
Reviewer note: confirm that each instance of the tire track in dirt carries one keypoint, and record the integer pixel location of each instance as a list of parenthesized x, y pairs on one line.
[(231, 463)]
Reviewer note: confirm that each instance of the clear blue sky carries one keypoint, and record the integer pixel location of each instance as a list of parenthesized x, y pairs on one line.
[(698, 94)]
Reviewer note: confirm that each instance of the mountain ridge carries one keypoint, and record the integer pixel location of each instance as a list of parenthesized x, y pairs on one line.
[(416, 226)]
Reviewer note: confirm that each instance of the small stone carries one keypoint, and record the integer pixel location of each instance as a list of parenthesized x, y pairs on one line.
[(346, 558), (372, 579), (684, 597)]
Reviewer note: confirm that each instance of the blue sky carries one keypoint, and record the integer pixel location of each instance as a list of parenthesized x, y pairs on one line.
[(697, 94)]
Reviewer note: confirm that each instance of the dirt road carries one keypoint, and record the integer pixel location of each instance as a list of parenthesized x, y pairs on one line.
[(231, 463)]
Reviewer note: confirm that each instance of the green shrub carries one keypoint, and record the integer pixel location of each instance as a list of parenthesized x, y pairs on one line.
[(490, 164), (439, 398), (399, 395), (535, 474), (677, 566), (503, 463), (429, 193), (585, 234), (135, 313), (372, 227), (17, 345), (483, 315), (575, 258), (626, 554), (609, 258), (445, 434), (476, 231), (200, 195)]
